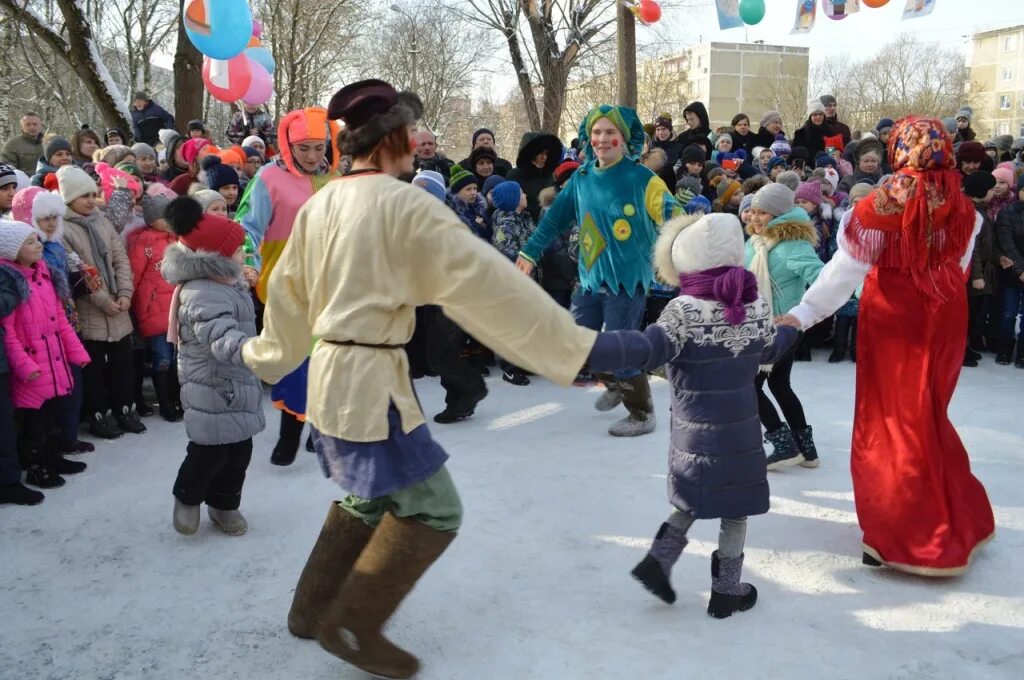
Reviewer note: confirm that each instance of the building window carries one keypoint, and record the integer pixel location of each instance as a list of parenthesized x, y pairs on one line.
[(1007, 73), (1009, 43), (700, 62), (1003, 129), (1004, 102)]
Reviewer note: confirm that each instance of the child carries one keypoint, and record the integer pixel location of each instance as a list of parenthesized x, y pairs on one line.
[(8, 187), (1003, 195), (809, 197), (223, 179), (56, 154), (147, 161), (513, 227), (152, 301), (844, 334), (212, 202), (40, 345), (470, 206), (714, 337), (691, 162), (781, 148), (980, 187), (776, 166), (211, 315), (729, 194), (722, 145), (781, 254), (106, 326), (687, 188)]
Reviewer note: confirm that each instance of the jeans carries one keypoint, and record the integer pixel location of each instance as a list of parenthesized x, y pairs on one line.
[(603, 310), (1013, 309), (162, 354), (732, 533)]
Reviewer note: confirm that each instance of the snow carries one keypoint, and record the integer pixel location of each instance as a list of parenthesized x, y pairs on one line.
[(98, 585), (108, 82)]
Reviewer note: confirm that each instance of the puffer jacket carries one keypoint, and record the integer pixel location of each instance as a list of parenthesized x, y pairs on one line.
[(152, 299), (222, 398), (96, 242), (38, 338), (13, 291), (793, 263), (1010, 237)]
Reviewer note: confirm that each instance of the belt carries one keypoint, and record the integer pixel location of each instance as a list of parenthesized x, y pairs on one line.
[(353, 343)]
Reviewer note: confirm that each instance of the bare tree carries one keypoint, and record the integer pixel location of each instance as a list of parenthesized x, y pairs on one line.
[(140, 30), (774, 90), (188, 78)]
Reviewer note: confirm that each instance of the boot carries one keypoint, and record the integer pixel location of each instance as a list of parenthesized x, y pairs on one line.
[(104, 426), (141, 407), (78, 447), (168, 410), (231, 522), (288, 439), (398, 554), (841, 340), (341, 539), (853, 341), (462, 407), (636, 396), (1005, 355), (129, 420), (728, 595), (19, 494), (805, 442), (186, 518), (803, 350), (612, 395), (785, 451), (40, 468), (653, 571)]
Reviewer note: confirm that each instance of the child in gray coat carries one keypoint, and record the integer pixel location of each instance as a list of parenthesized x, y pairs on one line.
[(211, 316)]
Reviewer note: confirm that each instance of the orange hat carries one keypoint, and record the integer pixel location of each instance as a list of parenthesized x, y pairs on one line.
[(232, 156), (304, 125)]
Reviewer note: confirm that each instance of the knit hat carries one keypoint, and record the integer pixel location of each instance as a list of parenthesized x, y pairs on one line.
[(978, 184), (836, 142), (776, 162), (73, 183), (506, 196), (199, 231), (139, 94), (477, 133), (885, 124), (861, 190), (965, 112), (251, 153), (775, 199), (114, 154), (12, 238), (217, 174), (196, 124), (770, 116), (143, 150), (206, 197), (689, 183), (54, 145), (1003, 142), (254, 142), (133, 170), (724, 135), (190, 149), (115, 131), (694, 153), (565, 171), (1018, 144), (460, 179), (433, 182), (780, 147), (832, 177), (698, 204), (823, 160), (815, 106), (153, 208), (663, 121), (489, 183), (725, 189), (971, 152), (790, 179), (828, 100), (1005, 174), (810, 192), (168, 138), (7, 175), (746, 203), (755, 154)]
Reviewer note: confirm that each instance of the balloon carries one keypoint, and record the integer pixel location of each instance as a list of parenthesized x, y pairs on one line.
[(220, 29), (261, 89), (875, 4), (254, 42), (751, 11), (262, 56), (648, 11), (257, 28), (227, 81)]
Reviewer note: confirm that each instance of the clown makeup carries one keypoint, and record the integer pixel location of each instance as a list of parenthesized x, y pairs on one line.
[(607, 142)]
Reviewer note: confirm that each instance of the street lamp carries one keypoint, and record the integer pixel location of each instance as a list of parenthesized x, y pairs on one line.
[(414, 50)]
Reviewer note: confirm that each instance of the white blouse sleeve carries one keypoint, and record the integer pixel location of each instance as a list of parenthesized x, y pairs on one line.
[(965, 261)]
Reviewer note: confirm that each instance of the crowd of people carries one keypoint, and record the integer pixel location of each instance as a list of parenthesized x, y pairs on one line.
[(202, 267)]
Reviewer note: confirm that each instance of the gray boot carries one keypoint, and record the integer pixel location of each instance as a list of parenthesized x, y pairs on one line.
[(728, 595), (636, 396), (612, 395), (786, 453), (186, 518), (231, 522)]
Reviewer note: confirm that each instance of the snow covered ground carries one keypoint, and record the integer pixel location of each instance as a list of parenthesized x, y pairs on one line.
[(97, 585)]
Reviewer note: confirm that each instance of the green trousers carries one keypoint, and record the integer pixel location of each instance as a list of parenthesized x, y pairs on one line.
[(434, 502)]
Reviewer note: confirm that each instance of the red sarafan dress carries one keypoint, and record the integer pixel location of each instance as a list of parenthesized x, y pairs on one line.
[(921, 509)]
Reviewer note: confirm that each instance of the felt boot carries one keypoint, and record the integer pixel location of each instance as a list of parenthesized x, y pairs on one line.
[(186, 518), (231, 522), (728, 595), (636, 397), (612, 395)]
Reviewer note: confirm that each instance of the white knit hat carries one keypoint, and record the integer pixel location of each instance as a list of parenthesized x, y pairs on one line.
[(12, 238), (74, 183), (255, 142)]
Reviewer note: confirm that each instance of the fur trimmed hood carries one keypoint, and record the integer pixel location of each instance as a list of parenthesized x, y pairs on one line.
[(181, 265), (793, 226), (688, 244)]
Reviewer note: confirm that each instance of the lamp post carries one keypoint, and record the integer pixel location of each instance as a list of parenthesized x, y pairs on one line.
[(414, 50)]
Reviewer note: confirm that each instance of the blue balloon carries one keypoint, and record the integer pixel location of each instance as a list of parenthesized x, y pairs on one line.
[(220, 29), (262, 56)]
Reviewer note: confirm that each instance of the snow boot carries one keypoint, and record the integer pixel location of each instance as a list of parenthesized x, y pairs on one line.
[(341, 539), (636, 396), (19, 494), (461, 408), (1004, 357), (397, 555), (653, 571), (805, 442), (39, 464), (104, 426), (68, 467), (785, 451), (231, 522), (288, 438), (129, 420), (803, 350), (853, 342), (186, 518), (168, 406), (612, 395), (728, 595), (841, 340)]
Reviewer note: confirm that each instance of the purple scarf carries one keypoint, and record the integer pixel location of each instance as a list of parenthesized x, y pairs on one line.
[(734, 287)]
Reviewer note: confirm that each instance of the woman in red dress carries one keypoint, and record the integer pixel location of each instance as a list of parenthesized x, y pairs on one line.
[(919, 506)]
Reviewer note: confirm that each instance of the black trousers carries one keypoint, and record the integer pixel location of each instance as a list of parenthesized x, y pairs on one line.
[(460, 379), (10, 470), (779, 383), (109, 376), (39, 432), (978, 307), (213, 474)]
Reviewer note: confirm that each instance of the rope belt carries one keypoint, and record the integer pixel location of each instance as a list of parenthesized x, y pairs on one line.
[(353, 343)]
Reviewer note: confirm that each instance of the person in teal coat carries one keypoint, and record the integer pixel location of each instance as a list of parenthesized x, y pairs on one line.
[(781, 254), (619, 205)]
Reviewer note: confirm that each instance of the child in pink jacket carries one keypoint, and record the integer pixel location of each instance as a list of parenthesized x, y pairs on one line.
[(41, 346)]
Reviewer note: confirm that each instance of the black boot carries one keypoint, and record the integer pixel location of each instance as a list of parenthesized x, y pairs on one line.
[(1005, 355), (841, 342), (168, 410), (803, 350), (19, 494), (38, 465), (310, 448), (728, 595), (104, 426), (288, 439)]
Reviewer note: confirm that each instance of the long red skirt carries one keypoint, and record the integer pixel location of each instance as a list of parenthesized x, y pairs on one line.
[(919, 506)]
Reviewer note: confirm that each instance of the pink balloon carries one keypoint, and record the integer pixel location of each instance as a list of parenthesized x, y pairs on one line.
[(257, 28), (261, 88), (238, 79)]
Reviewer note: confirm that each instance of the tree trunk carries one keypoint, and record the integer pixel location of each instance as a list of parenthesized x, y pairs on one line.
[(556, 82), (7, 34), (188, 79)]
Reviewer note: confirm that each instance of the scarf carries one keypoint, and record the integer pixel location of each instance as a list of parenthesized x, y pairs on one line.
[(759, 267), (99, 248), (734, 287), (173, 335)]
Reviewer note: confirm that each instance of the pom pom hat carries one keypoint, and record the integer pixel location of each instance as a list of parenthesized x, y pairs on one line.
[(199, 231)]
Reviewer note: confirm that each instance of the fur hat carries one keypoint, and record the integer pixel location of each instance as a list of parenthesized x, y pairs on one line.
[(688, 244), (199, 231), (810, 192), (54, 145), (978, 184), (775, 199), (153, 208), (433, 182), (12, 237), (780, 147), (73, 183), (815, 106), (32, 203), (217, 174), (460, 178), (479, 154), (770, 116), (143, 150), (506, 196), (790, 179), (971, 152), (370, 110), (965, 112)]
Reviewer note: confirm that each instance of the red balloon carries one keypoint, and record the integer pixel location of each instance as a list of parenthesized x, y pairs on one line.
[(649, 11), (232, 86), (875, 4)]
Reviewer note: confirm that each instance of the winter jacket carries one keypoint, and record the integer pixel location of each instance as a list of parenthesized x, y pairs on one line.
[(38, 338), (765, 138), (43, 169), (812, 137), (147, 123), (94, 239), (501, 166), (532, 179), (746, 142), (152, 299), (559, 266), (469, 214), (1010, 236), (13, 291), (837, 128), (23, 152), (672, 148), (793, 263), (221, 397), (717, 464), (698, 135), (511, 232), (984, 259), (244, 124)]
